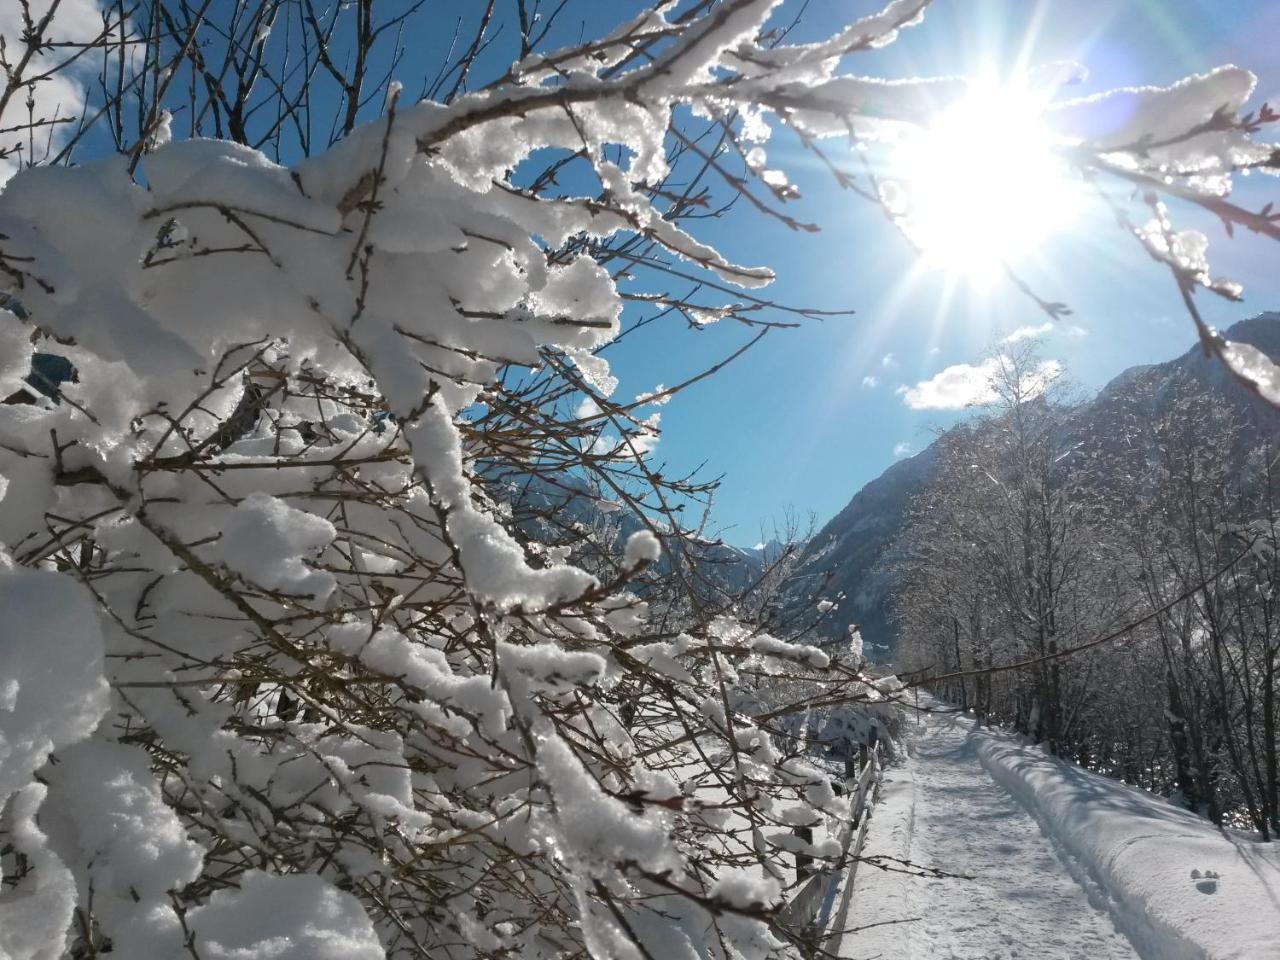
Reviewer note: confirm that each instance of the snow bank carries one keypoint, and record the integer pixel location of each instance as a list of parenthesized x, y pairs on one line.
[(1180, 888)]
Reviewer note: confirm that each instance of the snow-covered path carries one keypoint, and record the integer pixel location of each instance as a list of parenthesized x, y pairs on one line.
[(942, 810)]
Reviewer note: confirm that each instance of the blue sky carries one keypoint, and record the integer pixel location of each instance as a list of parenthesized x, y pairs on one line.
[(795, 422), (810, 415)]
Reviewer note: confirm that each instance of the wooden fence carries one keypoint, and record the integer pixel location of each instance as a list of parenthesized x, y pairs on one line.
[(811, 908)]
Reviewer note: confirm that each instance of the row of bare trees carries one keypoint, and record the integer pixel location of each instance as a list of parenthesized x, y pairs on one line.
[(1105, 578)]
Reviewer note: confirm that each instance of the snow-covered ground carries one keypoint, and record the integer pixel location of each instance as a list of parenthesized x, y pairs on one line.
[(1064, 864), (942, 810), (1180, 888)]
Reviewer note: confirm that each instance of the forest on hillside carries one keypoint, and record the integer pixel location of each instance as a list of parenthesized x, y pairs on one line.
[(1143, 541)]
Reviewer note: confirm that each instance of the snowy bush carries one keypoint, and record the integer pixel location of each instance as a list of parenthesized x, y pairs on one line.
[(283, 672)]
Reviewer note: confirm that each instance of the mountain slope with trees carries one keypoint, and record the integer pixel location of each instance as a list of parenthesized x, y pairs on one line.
[(1106, 578), (852, 557)]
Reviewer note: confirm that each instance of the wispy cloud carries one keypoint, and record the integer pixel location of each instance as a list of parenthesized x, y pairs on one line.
[(888, 361), (869, 382), (1027, 332), (968, 385), (1045, 329), (901, 449)]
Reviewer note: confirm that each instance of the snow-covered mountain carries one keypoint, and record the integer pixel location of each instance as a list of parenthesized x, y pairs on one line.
[(850, 555)]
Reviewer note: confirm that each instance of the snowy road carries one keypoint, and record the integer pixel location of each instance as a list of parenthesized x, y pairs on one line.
[(944, 811)]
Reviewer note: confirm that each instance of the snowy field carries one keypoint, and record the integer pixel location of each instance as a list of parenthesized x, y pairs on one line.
[(1061, 864)]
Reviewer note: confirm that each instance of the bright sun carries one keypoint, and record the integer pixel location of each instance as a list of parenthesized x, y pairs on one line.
[(983, 186)]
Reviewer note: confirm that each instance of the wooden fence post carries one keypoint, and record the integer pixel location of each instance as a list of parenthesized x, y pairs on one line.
[(810, 908), (804, 862)]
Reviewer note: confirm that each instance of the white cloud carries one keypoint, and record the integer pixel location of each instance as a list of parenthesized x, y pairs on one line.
[(869, 382), (888, 361), (955, 388), (901, 449), (658, 396), (968, 385), (1026, 333), (59, 95), (646, 438)]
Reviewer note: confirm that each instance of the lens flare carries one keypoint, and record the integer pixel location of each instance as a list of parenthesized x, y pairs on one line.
[(982, 184)]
